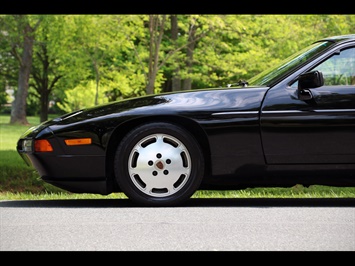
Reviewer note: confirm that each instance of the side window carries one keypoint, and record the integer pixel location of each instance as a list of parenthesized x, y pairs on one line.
[(339, 69)]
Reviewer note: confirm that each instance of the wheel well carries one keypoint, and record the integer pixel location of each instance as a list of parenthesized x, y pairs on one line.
[(121, 130)]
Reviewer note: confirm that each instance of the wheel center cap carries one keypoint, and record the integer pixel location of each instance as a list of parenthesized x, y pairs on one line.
[(159, 165)]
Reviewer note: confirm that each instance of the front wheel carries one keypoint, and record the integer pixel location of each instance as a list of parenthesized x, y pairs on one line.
[(159, 164)]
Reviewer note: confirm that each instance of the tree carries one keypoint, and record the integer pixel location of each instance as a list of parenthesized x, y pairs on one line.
[(52, 61), (131, 55), (156, 32), (176, 81), (20, 31), (43, 82), (8, 63), (163, 50), (45, 68)]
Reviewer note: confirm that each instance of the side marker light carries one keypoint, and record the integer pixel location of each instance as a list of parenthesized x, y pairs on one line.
[(74, 142)]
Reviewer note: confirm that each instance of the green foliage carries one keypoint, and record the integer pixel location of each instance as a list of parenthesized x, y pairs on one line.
[(82, 96), (115, 51), (4, 98), (119, 85)]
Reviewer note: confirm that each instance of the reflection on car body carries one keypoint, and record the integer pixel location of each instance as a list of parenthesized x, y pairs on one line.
[(293, 124)]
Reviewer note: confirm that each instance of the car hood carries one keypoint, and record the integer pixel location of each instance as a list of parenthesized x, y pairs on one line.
[(196, 103), (178, 103)]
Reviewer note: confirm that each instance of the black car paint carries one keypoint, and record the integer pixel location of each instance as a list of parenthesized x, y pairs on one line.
[(250, 136), (231, 116)]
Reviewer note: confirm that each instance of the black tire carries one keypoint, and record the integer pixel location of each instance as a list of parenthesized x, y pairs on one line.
[(159, 164)]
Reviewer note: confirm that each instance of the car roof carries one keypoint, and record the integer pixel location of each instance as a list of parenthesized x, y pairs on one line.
[(339, 38)]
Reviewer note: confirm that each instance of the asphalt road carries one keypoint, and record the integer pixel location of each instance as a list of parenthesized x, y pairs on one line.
[(199, 225)]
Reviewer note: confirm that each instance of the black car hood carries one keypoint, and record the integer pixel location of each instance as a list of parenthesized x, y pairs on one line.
[(194, 104), (178, 103)]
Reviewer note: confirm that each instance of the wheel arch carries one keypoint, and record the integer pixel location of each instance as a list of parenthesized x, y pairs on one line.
[(121, 130)]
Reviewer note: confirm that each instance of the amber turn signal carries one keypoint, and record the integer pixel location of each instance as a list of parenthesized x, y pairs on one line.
[(43, 145), (73, 142)]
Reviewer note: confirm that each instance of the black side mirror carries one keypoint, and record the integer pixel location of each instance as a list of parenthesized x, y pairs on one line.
[(313, 79), (306, 81)]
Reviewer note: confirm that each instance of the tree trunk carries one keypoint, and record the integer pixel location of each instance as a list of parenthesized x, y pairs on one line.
[(156, 31), (18, 110), (41, 74), (97, 79), (44, 106), (189, 55), (176, 81)]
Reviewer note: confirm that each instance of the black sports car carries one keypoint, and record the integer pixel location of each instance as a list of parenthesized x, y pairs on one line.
[(293, 124)]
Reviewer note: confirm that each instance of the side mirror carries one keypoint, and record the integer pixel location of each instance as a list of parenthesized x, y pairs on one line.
[(313, 79), (306, 81)]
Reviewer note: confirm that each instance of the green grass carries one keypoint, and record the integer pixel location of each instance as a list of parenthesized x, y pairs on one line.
[(9, 134), (21, 182)]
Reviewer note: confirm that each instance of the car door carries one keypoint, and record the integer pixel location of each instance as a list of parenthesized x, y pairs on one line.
[(316, 131)]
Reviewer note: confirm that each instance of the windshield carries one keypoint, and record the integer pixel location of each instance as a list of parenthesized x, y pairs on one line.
[(269, 76)]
